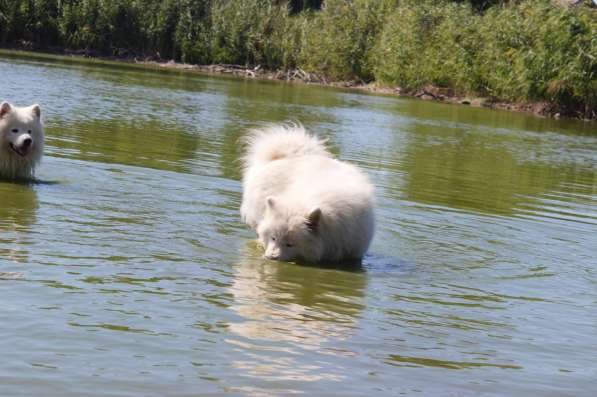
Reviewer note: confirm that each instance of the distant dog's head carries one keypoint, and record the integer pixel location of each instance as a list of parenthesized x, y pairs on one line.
[(286, 235), (21, 135)]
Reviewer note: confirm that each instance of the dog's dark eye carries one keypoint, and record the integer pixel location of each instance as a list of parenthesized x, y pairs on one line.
[(289, 245), (15, 130), (273, 238)]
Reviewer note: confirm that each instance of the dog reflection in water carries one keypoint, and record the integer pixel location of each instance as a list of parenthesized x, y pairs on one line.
[(18, 207), (284, 307)]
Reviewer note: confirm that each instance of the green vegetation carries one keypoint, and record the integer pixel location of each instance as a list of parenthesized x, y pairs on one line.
[(530, 51), (526, 50)]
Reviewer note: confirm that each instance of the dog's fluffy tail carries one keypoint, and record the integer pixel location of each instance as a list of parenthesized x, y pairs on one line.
[(280, 141)]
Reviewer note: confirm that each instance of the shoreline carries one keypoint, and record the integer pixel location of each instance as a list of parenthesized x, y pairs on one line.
[(427, 93)]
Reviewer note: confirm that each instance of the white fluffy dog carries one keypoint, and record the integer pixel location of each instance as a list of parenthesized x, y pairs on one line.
[(21, 140), (303, 203)]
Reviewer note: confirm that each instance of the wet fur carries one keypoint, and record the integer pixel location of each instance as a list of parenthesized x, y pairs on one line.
[(13, 165), (295, 193)]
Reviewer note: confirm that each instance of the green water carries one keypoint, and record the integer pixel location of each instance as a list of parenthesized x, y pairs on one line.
[(125, 271)]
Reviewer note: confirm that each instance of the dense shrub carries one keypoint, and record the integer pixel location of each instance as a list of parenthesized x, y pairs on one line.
[(340, 37), (192, 33), (523, 51), (248, 31), (428, 44), (530, 50), (107, 26), (534, 51), (32, 21), (161, 22)]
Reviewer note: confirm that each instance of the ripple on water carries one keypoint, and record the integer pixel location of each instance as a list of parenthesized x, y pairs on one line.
[(125, 269)]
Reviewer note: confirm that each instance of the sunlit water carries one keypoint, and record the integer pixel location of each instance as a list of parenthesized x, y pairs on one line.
[(126, 270)]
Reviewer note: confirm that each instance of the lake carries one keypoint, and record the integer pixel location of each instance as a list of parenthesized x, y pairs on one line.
[(125, 269)]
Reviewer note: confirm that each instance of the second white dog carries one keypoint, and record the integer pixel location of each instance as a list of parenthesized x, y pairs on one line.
[(303, 203), (21, 140)]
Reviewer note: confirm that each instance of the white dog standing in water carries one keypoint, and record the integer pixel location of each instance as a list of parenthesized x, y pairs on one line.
[(21, 140), (303, 203)]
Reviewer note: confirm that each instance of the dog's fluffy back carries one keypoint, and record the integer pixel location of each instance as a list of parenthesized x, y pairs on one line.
[(295, 171), (280, 141)]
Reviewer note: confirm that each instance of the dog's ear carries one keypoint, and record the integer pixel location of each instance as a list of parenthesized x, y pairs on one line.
[(313, 219), (270, 203), (5, 108), (36, 110)]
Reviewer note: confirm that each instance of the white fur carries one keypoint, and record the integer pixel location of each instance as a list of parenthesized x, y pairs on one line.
[(17, 127), (303, 203)]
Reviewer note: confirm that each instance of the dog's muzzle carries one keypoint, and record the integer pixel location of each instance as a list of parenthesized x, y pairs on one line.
[(24, 148)]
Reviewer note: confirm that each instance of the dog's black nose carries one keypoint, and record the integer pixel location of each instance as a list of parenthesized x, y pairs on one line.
[(27, 142)]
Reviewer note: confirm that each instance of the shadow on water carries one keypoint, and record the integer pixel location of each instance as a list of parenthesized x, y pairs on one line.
[(374, 263), (32, 182), (352, 265), (371, 262)]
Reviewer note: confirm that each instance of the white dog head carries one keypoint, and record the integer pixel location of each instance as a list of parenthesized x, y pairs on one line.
[(286, 235), (21, 139)]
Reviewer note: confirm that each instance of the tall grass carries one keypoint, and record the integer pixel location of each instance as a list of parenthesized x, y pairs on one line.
[(523, 50), (534, 51), (428, 44), (248, 32), (338, 39)]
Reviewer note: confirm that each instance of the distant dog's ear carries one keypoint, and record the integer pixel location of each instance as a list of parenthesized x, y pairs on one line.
[(270, 202), (36, 110), (5, 108), (313, 219)]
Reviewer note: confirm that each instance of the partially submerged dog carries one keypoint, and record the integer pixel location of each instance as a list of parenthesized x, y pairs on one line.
[(303, 203), (21, 140)]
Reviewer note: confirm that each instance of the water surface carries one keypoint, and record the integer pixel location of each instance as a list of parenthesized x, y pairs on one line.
[(126, 271)]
